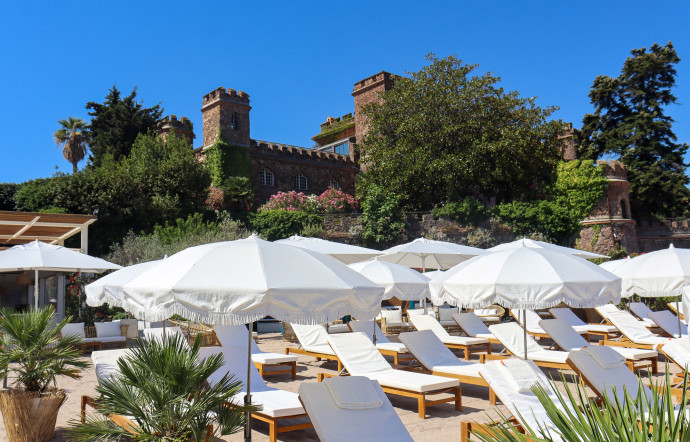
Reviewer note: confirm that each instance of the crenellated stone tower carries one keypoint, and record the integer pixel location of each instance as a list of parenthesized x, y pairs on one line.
[(227, 110), (183, 128)]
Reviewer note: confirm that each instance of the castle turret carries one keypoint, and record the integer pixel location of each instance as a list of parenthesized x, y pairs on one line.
[(367, 91), (227, 110), (183, 128)]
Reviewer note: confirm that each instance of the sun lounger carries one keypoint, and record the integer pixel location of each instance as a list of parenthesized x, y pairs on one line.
[(511, 335), (436, 359), (606, 310), (346, 419), (276, 405), (361, 358), (533, 327), (238, 335), (635, 334), (668, 322), (159, 332), (105, 362), (525, 407), (445, 318), (569, 340), (468, 345), (474, 327), (395, 349), (602, 330), (313, 340), (603, 376), (678, 352), (673, 306), (641, 310)]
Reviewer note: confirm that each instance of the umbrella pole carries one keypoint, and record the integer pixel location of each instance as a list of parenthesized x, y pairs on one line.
[(36, 289), (524, 329), (374, 321), (247, 396), (680, 333), (423, 271)]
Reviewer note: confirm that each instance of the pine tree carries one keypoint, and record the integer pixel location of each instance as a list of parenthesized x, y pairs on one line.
[(116, 123), (629, 122)]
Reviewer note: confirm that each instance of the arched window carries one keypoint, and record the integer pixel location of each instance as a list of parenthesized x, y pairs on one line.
[(301, 182), (266, 177), (333, 184), (235, 121)]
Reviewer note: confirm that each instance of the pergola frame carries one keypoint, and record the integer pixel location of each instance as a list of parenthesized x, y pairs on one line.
[(52, 228)]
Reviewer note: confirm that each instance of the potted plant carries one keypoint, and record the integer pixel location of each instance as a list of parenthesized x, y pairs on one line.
[(160, 392), (35, 354)]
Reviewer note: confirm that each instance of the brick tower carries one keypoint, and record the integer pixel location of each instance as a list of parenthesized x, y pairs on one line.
[(183, 128), (227, 110), (367, 91)]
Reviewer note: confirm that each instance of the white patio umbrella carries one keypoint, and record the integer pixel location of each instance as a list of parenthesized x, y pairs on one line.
[(425, 254), (239, 282), (39, 256), (112, 283), (610, 266), (656, 274), (527, 278), (526, 242), (346, 253)]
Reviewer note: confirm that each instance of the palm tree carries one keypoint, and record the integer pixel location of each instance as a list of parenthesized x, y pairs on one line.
[(161, 388), (74, 138)]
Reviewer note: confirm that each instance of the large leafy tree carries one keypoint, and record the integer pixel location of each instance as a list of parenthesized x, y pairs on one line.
[(116, 123), (445, 132), (74, 137), (629, 122)]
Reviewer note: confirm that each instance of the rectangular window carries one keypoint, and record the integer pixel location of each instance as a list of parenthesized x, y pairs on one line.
[(342, 148)]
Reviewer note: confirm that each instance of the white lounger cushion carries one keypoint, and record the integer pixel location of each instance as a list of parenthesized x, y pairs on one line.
[(361, 358), (678, 351), (107, 339), (274, 402), (313, 338), (640, 309), (238, 336), (435, 356), (446, 314), (634, 329), (606, 380), (606, 310), (511, 335), (382, 341), (105, 362), (668, 323), (571, 318), (158, 333), (533, 322), (472, 325), (426, 322), (523, 406), (333, 424)]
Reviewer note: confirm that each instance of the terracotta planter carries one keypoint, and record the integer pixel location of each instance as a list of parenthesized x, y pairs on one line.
[(30, 417)]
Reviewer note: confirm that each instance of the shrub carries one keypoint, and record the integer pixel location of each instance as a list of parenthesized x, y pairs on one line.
[(282, 223), (468, 212), (290, 201), (330, 201), (382, 219), (479, 237), (335, 201)]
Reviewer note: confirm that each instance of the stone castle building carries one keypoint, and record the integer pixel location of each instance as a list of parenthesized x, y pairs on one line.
[(333, 161)]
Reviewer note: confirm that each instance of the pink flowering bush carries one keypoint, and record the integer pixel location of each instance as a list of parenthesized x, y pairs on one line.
[(216, 198), (331, 201), (335, 201)]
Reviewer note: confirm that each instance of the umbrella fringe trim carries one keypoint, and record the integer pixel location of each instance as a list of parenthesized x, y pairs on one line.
[(654, 293), (234, 319), (516, 305)]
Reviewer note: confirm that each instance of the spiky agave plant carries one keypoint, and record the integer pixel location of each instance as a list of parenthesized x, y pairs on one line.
[(37, 354), (576, 417), (161, 389)]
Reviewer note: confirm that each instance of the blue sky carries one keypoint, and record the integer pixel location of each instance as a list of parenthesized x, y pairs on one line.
[(299, 60)]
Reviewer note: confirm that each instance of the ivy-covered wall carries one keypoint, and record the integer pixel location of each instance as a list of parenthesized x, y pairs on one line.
[(225, 160)]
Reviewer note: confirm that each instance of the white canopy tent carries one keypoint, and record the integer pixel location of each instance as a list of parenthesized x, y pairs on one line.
[(345, 253), (39, 256), (526, 278)]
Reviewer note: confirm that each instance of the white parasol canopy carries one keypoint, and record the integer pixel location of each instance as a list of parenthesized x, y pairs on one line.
[(111, 284), (345, 253), (237, 282), (526, 242), (399, 281), (526, 278), (610, 266), (425, 254), (39, 256)]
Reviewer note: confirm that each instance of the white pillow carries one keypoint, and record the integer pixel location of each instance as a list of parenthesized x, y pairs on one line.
[(392, 315), (107, 329), (133, 329), (75, 329), (446, 314), (485, 311)]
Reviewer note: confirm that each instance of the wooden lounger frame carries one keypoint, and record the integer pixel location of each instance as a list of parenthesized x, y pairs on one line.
[(625, 342), (470, 348), (471, 380), (422, 402), (291, 366), (467, 428), (318, 356), (273, 428)]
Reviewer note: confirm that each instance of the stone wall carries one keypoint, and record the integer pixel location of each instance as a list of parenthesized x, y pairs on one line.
[(227, 110), (656, 235)]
